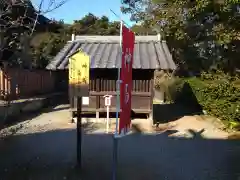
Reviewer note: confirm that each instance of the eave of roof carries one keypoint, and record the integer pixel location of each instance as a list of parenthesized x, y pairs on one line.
[(149, 53)]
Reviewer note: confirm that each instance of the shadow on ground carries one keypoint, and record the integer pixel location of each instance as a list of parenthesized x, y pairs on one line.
[(163, 113), (185, 104), (112, 115), (52, 155), (49, 105)]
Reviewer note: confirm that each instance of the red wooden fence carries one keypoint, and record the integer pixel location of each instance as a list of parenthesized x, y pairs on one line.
[(21, 83)]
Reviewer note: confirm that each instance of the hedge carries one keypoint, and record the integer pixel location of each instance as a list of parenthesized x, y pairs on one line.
[(221, 100), (218, 95)]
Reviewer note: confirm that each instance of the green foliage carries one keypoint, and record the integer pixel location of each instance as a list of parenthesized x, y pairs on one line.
[(92, 25), (48, 38), (142, 30), (17, 24), (202, 35), (46, 45), (177, 90), (172, 87), (218, 94), (219, 97), (168, 84)]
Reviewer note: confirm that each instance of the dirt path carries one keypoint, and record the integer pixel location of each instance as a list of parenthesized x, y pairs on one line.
[(44, 147)]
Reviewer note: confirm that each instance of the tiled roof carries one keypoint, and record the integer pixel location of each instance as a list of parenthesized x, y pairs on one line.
[(104, 52)]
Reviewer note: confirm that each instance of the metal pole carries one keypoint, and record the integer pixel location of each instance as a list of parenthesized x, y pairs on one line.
[(119, 82), (115, 138), (107, 119), (115, 157), (79, 131), (124, 22)]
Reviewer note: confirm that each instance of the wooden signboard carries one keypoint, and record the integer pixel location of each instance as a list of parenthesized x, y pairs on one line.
[(79, 73)]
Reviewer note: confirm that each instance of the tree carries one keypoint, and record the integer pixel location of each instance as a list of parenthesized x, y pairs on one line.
[(143, 29), (46, 45), (92, 25), (18, 22), (202, 34)]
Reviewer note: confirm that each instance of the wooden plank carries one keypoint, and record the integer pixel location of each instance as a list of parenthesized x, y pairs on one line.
[(148, 94), (98, 90), (141, 102), (114, 110), (79, 131), (152, 93)]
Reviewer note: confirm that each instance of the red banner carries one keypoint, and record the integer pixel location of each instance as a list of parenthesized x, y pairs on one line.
[(128, 39)]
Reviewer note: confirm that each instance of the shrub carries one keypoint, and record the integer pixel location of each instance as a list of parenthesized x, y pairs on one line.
[(218, 95), (168, 84), (220, 98), (177, 90)]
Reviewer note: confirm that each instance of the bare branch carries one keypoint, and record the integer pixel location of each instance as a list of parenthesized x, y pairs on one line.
[(18, 18), (53, 6)]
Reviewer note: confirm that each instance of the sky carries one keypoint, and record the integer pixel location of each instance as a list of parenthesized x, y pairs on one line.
[(76, 9)]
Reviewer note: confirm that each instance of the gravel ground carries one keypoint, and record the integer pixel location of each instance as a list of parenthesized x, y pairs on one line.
[(44, 147), (49, 119)]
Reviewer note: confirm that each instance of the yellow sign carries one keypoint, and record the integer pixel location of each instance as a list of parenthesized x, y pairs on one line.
[(79, 74)]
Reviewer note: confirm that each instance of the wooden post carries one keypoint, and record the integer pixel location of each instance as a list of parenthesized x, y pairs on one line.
[(79, 131)]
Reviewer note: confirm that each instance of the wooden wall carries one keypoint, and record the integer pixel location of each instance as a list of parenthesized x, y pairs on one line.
[(103, 82)]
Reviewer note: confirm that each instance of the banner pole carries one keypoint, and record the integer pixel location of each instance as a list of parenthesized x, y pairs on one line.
[(115, 136), (79, 131), (119, 82)]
